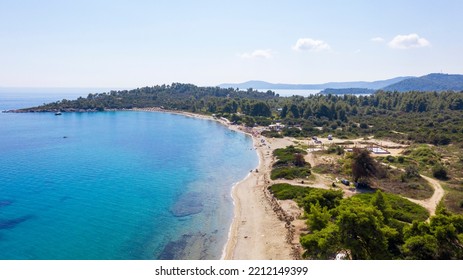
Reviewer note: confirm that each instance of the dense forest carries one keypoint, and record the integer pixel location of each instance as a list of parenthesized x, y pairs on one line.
[(423, 117)]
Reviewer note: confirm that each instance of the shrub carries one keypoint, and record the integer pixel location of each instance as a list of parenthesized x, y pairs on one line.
[(411, 171), (289, 173), (324, 198), (290, 164), (390, 158), (415, 186), (288, 152), (401, 209), (287, 191), (299, 160), (400, 159), (439, 172), (423, 154), (335, 149)]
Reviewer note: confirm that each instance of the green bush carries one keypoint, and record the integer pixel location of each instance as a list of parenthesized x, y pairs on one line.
[(287, 191), (439, 172), (411, 171), (423, 154), (290, 164), (324, 198), (390, 158), (287, 155), (289, 173), (335, 150), (401, 208)]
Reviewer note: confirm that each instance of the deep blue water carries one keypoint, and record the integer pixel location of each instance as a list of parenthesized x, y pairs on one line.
[(116, 185)]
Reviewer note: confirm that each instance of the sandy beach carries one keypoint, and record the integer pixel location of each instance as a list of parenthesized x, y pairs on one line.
[(260, 230)]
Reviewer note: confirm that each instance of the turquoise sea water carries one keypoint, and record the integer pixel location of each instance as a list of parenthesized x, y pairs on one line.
[(117, 185)]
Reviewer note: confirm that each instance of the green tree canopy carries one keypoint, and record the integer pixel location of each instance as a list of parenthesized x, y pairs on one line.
[(363, 164)]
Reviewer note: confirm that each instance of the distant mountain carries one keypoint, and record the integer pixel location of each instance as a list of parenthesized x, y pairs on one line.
[(369, 85), (347, 91), (334, 85), (431, 82)]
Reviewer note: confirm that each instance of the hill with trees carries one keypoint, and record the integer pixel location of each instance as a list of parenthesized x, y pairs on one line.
[(431, 82)]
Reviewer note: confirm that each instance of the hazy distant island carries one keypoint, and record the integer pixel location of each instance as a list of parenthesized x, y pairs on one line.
[(373, 176), (335, 85)]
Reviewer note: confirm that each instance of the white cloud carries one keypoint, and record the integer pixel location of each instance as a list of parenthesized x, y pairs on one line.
[(377, 39), (309, 44), (258, 54), (409, 41)]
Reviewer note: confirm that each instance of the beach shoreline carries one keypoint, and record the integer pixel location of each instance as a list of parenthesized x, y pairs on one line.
[(259, 231)]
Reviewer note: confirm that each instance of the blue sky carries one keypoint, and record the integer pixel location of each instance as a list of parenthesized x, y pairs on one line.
[(137, 43)]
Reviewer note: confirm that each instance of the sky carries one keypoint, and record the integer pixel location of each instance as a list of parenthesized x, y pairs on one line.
[(125, 44)]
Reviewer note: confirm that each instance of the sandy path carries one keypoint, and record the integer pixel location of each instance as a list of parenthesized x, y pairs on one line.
[(431, 203)]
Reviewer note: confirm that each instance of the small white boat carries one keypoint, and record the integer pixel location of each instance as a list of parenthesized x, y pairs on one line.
[(58, 113)]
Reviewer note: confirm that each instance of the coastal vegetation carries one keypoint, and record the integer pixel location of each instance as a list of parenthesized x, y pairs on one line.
[(290, 164), (367, 172), (286, 191), (422, 117), (374, 225), (363, 228), (399, 208)]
